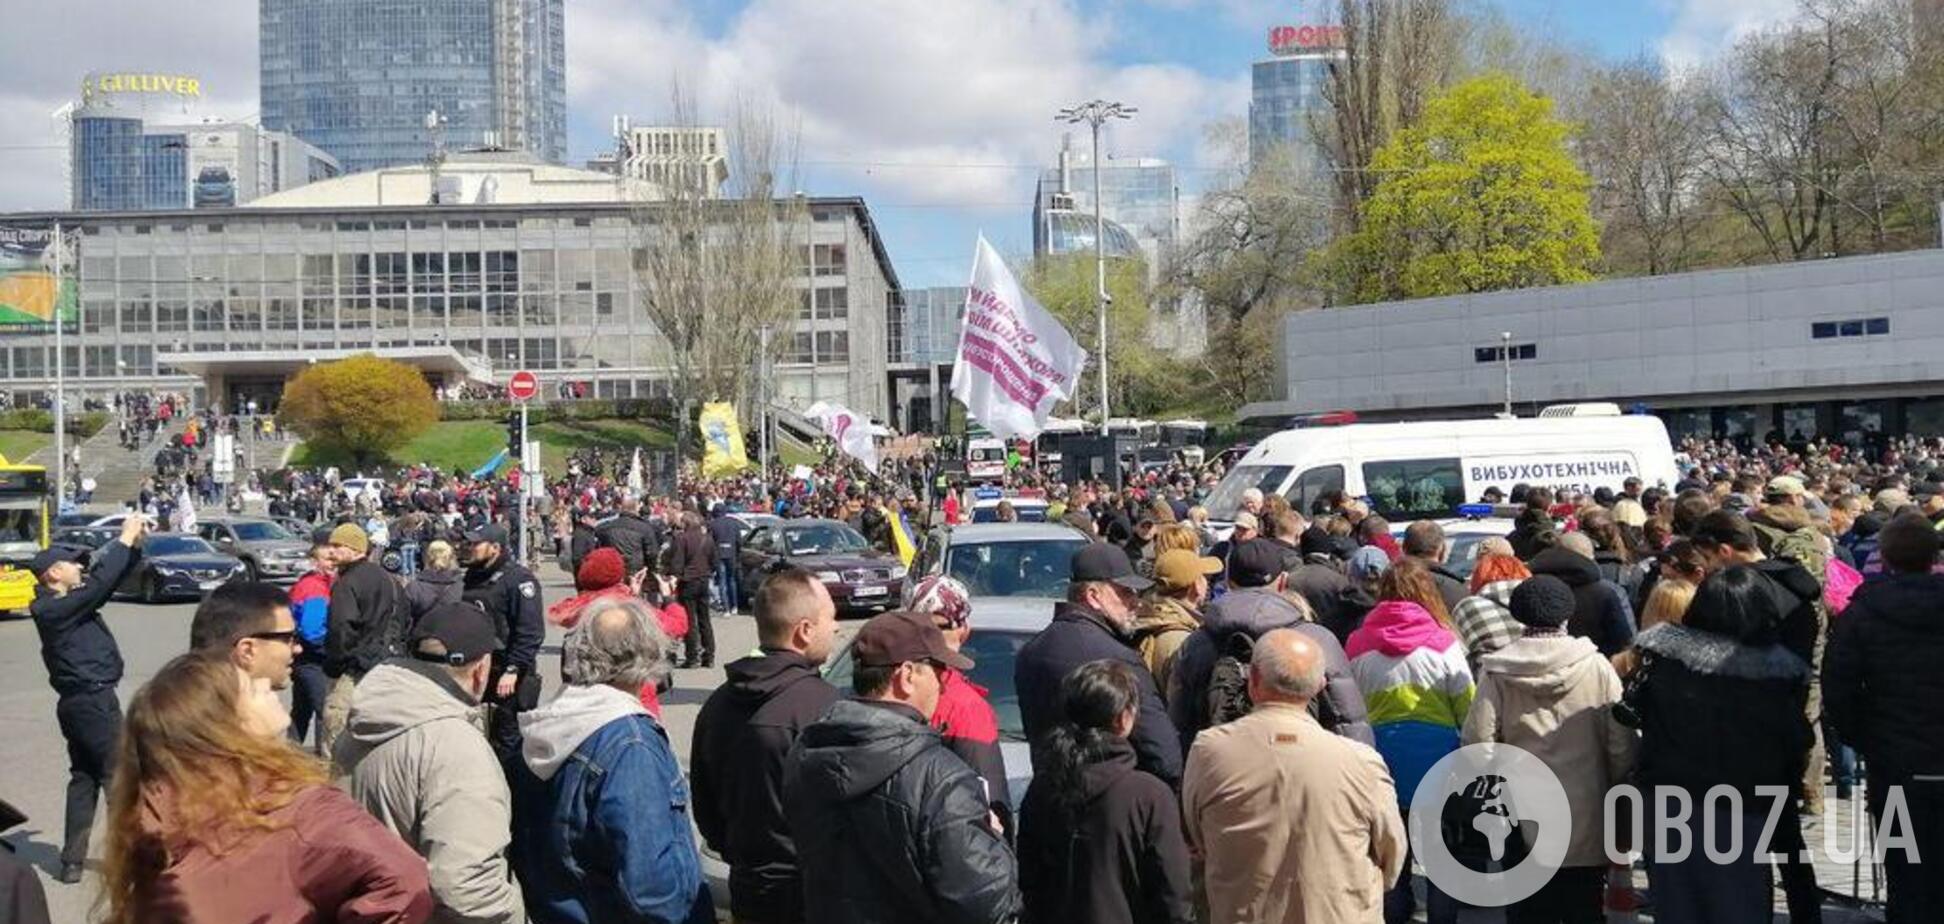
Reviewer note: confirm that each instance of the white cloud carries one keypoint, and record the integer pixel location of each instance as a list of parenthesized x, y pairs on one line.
[(955, 85), (1701, 30)]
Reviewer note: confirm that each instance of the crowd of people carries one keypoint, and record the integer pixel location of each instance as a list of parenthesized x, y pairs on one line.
[(1225, 726)]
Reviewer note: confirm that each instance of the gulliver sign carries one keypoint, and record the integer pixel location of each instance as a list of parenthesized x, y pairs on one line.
[(177, 84)]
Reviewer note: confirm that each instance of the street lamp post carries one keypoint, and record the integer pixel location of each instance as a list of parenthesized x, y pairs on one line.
[(1095, 112), (60, 378), (1505, 360)]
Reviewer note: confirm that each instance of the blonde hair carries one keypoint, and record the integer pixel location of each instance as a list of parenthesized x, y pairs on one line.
[(439, 556), (213, 784), (1176, 536), (1668, 603)]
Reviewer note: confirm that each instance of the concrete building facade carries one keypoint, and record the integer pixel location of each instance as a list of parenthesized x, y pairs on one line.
[(540, 275), (1836, 348)]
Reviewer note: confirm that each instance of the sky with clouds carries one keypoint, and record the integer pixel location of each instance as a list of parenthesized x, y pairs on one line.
[(934, 111)]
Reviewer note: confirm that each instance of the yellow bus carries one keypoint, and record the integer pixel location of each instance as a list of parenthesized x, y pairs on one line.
[(25, 517)]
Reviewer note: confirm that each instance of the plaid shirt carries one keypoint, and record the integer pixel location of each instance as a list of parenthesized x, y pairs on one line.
[(1485, 622)]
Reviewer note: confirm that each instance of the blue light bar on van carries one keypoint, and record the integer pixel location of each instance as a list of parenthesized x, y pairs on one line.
[(988, 493), (1475, 511)]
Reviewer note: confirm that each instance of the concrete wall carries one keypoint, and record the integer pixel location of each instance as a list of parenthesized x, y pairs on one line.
[(1671, 340)]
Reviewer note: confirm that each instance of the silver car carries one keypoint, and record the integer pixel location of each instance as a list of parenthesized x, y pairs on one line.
[(269, 552)]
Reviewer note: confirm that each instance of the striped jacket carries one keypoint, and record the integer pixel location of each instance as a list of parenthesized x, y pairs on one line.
[(1484, 621), (1416, 685)]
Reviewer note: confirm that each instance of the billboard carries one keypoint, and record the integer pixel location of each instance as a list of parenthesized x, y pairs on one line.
[(28, 288), (215, 168)]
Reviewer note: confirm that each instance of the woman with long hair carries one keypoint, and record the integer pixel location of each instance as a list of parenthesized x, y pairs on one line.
[(214, 816), (1417, 687), (1099, 840), (1668, 602)]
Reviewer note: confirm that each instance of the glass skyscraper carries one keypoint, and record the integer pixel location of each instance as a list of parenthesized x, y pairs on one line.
[(119, 166), (1138, 199), (1283, 93), (357, 77)]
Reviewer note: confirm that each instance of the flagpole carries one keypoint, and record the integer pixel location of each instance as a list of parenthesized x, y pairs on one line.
[(60, 378)]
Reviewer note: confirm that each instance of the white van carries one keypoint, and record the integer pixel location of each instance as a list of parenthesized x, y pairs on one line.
[(1415, 471)]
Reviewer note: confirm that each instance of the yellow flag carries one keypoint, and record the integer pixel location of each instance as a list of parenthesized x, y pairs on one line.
[(722, 441), (900, 535)]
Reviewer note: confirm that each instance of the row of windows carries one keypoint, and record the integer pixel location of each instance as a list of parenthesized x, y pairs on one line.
[(1860, 327), (1493, 354), (824, 346), (143, 317)]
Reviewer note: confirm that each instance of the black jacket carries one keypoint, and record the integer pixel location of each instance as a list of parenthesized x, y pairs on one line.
[(1322, 586), (79, 651), (1076, 636), (638, 540), (367, 620), (742, 738), (1600, 611), (1122, 859), (1255, 612), (890, 826), (1529, 532), (1714, 711), (1797, 594), (726, 536), (1881, 683), (582, 542), (1451, 587), (510, 594), (691, 556)]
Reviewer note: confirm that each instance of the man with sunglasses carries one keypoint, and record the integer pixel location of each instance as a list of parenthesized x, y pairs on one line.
[(251, 624)]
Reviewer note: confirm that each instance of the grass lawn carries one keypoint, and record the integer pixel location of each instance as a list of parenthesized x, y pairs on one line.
[(469, 443), (17, 445)]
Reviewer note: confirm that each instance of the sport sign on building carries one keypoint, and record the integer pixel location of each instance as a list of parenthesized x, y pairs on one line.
[(1296, 40), (1014, 360)]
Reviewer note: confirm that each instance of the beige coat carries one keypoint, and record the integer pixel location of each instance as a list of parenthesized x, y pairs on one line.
[(1161, 625), (1293, 824), (1554, 696)]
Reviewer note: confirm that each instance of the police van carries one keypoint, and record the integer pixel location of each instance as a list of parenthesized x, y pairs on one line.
[(1426, 470)]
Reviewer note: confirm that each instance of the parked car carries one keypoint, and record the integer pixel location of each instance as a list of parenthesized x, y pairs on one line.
[(860, 579), (84, 537), (268, 551), (1000, 627), (175, 565), (747, 523), (296, 527), (74, 519), (1025, 509)]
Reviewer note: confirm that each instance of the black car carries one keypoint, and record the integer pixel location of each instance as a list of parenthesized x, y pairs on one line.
[(84, 537), (860, 579), (175, 565)]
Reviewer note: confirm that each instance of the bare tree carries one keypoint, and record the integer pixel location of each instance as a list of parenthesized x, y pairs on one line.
[(1771, 114), (1644, 146), (1396, 54), (713, 272)]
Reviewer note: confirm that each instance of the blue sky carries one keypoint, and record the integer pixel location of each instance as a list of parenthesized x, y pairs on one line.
[(937, 112)]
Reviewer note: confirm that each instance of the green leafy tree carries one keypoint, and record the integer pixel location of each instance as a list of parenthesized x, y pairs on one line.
[(360, 408), (1479, 195)]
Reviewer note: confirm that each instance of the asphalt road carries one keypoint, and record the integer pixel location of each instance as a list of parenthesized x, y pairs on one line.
[(35, 759)]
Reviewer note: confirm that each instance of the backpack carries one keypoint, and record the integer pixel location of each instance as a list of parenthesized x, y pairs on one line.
[(1227, 697)]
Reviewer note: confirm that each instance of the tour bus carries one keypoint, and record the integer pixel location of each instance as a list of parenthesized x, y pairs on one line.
[(24, 514), (985, 455), (1414, 471)]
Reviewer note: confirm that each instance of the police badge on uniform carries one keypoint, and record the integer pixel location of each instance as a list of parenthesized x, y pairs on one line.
[(526, 589)]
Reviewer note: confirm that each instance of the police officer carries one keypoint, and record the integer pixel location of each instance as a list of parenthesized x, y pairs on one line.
[(510, 594), (84, 664)]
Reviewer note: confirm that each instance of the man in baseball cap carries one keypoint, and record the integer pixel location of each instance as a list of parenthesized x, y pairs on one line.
[(412, 742), (1095, 622), (964, 717), (880, 809)]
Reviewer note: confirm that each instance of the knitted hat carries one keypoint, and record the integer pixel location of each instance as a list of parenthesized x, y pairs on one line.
[(1542, 600), (943, 597), (352, 537), (600, 570)]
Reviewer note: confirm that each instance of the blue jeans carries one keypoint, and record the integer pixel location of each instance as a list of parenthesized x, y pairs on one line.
[(308, 687), (1400, 903), (725, 583)]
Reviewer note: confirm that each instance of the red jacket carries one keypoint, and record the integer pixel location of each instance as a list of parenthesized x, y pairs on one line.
[(332, 863), (673, 618), (970, 728)]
